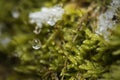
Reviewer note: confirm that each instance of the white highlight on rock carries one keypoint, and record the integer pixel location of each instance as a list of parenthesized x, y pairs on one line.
[(46, 16), (105, 20)]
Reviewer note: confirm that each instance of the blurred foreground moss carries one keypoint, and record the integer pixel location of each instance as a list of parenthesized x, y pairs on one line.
[(70, 50)]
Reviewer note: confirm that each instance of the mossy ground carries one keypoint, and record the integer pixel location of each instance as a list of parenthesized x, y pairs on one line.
[(70, 50)]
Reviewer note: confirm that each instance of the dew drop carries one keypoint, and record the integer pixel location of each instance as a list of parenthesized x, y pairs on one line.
[(36, 44), (37, 30), (51, 21)]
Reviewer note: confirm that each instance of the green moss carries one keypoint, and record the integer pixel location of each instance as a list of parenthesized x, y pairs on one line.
[(70, 50)]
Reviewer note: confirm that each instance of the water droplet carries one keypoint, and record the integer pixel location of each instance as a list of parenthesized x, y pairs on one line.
[(36, 44), (51, 21), (37, 30)]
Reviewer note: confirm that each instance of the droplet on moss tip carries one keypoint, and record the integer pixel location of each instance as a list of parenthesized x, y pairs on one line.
[(36, 44), (37, 30)]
